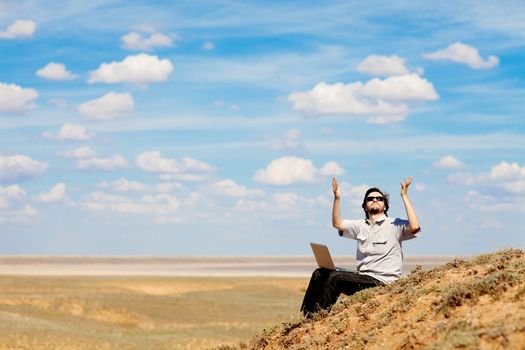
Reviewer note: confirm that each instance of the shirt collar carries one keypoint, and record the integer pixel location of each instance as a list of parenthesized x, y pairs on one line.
[(378, 221)]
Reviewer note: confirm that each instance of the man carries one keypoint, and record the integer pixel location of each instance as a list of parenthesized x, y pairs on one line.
[(379, 254)]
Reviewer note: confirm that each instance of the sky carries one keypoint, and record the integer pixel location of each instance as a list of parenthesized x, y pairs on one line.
[(215, 127)]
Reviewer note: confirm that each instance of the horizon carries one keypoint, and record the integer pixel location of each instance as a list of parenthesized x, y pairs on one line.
[(190, 266), (211, 127), (206, 256)]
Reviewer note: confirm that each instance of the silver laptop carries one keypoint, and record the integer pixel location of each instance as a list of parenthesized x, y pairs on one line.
[(323, 257)]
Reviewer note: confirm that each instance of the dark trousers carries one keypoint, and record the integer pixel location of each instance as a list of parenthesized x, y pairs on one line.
[(326, 285)]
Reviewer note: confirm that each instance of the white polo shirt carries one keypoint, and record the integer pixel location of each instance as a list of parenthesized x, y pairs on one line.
[(379, 251)]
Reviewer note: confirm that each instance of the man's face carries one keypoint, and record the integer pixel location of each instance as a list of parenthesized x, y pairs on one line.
[(375, 203)]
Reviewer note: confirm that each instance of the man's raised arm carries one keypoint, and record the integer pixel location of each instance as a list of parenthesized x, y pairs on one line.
[(413, 222), (337, 222)]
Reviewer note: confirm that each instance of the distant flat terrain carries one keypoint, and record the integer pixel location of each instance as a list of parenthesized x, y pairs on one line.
[(293, 266), (141, 312), (88, 303)]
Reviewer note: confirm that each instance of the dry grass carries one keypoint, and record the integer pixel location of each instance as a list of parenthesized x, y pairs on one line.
[(476, 304), (141, 312)]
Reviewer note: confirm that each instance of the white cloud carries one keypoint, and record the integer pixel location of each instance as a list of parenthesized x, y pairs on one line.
[(509, 176), (69, 132), (283, 205), (462, 53), (112, 163), (13, 205), (250, 205), (184, 177), (110, 106), (19, 29), (331, 169), (139, 69), (465, 179), (291, 140), (13, 191), (79, 153), (185, 169), (340, 98), (19, 214), (10, 194), (383, 65), (13, 168), (208, 46), (287, 200), (159, 204), (123, 185), (448, 162), (107, 198), (56, 194), (162, 203), (165, 187), (15, 99), (55, 71), (490, 203), (291, 170), (507, 171), (137, 41), (230, 188), (382, 101), (506, 177), (408, 87), (286, 171)]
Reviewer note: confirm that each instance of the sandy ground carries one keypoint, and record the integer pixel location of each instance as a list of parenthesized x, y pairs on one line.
[(141, 312), (469, 305), (298, 266)]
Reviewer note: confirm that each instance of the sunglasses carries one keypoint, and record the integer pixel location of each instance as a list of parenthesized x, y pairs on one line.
[(371, 199)]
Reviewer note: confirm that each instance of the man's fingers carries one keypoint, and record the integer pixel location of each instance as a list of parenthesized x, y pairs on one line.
[(408, 181)]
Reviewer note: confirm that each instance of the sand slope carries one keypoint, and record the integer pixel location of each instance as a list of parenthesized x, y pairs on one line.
[(475, 304)]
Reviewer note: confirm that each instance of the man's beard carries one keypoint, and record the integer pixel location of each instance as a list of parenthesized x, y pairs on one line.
[(375, 211)]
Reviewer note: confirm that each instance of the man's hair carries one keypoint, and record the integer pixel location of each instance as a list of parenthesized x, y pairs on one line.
[(375, 189)]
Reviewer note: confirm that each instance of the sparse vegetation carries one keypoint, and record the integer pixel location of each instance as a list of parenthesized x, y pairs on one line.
[(90, 313), (464, 304)]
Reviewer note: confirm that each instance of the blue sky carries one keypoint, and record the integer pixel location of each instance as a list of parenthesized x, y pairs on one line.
[(214, 127)]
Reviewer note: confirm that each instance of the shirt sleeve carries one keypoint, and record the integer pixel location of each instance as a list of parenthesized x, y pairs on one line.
[(402, 224), (350, 229)]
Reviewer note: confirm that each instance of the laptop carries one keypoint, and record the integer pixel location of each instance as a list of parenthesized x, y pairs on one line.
[(323, 257)]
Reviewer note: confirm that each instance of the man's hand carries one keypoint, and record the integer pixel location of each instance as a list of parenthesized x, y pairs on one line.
[(404, 186), (413, 222), (337, 222), (335, 188)]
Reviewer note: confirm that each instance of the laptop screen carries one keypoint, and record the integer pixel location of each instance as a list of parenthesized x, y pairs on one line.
[(322, 255)]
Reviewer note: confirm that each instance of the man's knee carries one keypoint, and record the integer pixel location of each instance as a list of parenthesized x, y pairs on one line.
[(320, 274), (335, 277), (317, 272)]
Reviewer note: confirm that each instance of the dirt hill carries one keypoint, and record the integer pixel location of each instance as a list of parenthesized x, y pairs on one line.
[(474, 304)]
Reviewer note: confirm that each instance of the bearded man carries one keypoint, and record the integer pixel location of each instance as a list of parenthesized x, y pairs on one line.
[(379, 249)]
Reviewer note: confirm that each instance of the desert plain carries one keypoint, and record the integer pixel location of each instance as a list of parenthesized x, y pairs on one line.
[(151, 302)]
